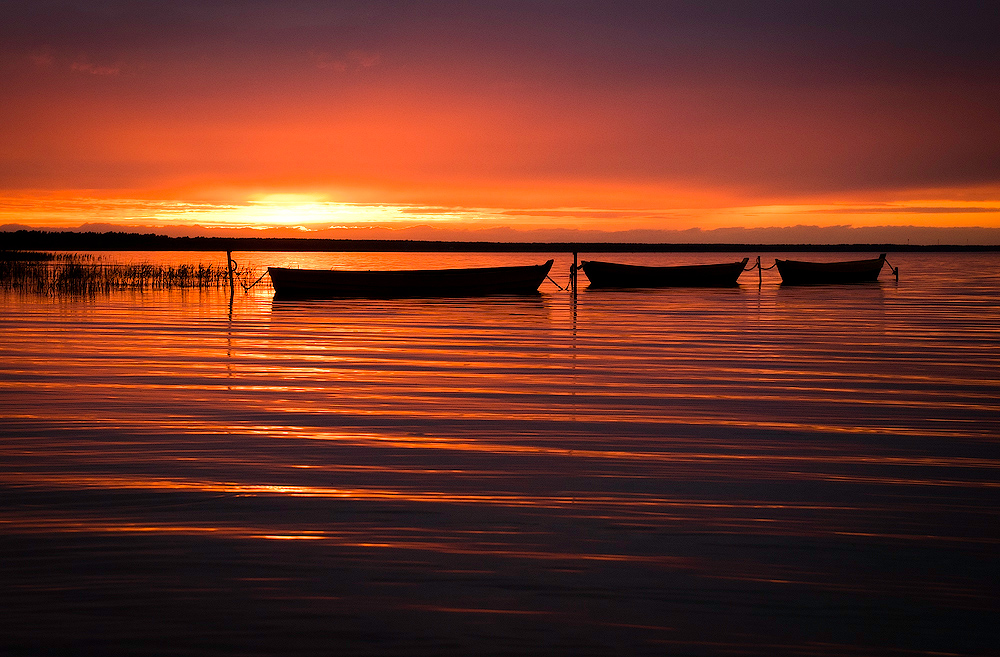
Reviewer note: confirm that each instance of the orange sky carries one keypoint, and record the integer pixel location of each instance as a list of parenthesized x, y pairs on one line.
[(663, 116)]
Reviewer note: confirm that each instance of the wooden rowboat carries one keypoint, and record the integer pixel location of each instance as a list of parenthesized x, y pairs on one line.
[(330, 283), (799, 272), (612, 274)]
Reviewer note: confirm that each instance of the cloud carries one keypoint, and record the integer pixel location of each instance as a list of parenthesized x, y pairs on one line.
[(47, 57), (84, 65), (906, 210), (354, 60), (42, 58)]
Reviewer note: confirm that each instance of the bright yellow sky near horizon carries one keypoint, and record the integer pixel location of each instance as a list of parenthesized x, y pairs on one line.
[(314, 212)]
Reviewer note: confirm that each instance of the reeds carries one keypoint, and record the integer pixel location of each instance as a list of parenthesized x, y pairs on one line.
[(85, 275), (26, 256)]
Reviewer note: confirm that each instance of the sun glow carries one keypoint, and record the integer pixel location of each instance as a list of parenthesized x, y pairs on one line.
[(304, 210), (316, 215)]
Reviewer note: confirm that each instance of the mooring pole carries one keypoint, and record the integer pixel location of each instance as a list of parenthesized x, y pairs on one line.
[(760, 274), (229, 266), (572, 273)]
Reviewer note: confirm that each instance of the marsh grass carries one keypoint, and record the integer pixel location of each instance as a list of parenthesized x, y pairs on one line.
[(84, 274), (30, 256)]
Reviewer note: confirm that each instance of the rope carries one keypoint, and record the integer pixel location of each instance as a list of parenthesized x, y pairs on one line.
[(894, 270), (239, 276), (248, 287), (757, 264), (554, 283)]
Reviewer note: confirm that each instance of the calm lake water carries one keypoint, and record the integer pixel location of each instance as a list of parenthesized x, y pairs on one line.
[(757, 470)]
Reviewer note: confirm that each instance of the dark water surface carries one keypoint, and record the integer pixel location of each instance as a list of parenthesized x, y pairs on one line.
[(808, 471)]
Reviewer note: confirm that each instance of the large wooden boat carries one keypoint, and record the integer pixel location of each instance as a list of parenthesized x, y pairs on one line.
[(331, 283), (612, 274), (800, 272)]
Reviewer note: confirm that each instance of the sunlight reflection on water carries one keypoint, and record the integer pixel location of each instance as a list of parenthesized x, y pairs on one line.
[(783, 470)]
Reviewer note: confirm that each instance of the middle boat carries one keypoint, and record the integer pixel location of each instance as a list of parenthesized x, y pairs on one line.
[(478, 281), (612, 274)]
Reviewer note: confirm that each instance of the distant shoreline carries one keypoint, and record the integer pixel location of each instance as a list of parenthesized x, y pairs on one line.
[(115, 241)]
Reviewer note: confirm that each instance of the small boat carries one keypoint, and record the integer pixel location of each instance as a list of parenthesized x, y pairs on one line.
[(331, 283), (799, 272), (612, 274)]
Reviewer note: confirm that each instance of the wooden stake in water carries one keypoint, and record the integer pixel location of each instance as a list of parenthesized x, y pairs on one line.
[(573, 273), (229, 265)]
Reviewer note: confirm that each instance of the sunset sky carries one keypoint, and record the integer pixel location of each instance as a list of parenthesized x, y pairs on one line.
[(581, 115)]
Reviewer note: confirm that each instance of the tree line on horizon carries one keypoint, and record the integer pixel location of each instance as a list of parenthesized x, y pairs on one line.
[(125, 241)]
